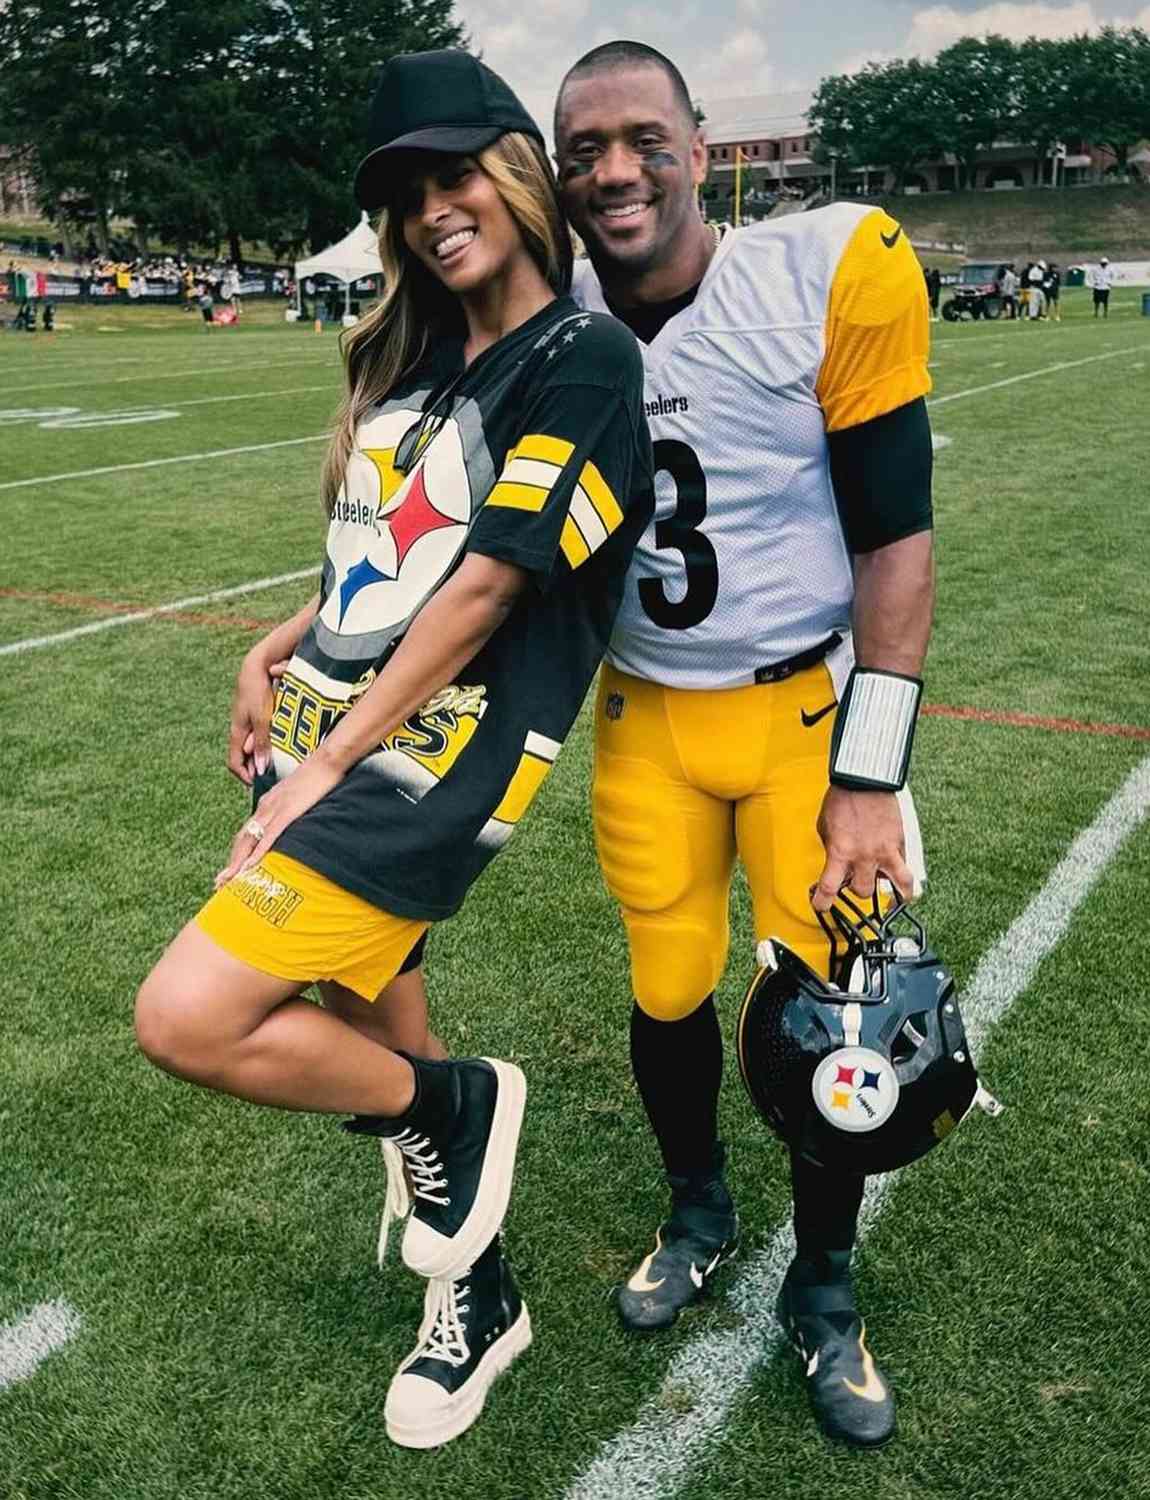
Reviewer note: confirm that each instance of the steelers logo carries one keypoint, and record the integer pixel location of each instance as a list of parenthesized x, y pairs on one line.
[(855, 1089), (394, 536)]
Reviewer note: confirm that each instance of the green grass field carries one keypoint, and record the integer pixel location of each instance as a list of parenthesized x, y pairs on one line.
[(214, 1263)]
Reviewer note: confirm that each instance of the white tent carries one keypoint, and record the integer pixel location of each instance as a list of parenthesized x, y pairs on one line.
[(356, 255)]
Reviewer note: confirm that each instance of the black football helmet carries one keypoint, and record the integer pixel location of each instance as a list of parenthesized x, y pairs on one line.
[(867, 1073)]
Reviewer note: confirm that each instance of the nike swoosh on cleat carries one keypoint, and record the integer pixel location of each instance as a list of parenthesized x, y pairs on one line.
[(639, 1282), (697, 1276), (891, 240), (872, 1388), (810, 720)]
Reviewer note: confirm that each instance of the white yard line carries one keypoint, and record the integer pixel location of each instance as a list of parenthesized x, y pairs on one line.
[(24, 1346), (137, 616), (711, 1374), (157, 463), (227, 371), (1066, 364), (298, 390)]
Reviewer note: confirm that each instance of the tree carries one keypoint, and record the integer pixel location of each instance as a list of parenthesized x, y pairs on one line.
[(322, 61), (883, 114), (1109, 80), (975, 104), (239, 119), (1046, 109), (69, 102)]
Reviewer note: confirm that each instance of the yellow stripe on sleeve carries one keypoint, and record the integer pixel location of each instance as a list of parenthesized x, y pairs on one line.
[(528, 778), (552, 449), (600, 496), (530, 497), (575, 549)]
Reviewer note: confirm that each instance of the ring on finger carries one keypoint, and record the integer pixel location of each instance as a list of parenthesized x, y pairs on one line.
[(254, 829)]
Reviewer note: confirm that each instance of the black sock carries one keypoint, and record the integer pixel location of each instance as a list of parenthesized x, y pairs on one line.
[(826, 1216), (678, 1067), (431, 1111)]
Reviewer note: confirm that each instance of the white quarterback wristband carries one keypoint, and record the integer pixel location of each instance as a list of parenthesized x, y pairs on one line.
[(874, 730)]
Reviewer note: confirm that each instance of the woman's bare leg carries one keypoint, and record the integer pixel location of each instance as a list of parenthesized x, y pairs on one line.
[(396, 1019), (215, 1021)]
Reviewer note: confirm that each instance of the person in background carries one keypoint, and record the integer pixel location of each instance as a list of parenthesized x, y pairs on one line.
[(1008, 287), (1101, 279), (1052, 291), (1036, 302), (933, 291)]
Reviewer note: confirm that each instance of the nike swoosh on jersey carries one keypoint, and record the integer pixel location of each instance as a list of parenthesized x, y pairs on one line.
[(891, 240), (810, 720), (639, 1282), (872, 1388)]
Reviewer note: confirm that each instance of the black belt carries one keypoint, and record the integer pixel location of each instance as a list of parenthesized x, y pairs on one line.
[(780, 670)]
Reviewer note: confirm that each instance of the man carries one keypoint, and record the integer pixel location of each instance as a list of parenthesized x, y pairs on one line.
[(1101, 280), (781, 359), (1008, 286), (1052, 291), (1036, 304), (933, 279)]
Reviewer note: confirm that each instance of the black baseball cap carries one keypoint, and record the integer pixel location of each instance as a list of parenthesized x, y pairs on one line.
[(435, 101)]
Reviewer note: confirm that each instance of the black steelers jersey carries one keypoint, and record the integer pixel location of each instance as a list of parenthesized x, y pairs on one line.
[(537, 453)]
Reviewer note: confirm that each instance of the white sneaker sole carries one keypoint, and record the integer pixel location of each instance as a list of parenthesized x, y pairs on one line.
[(430, 1254), (411, 1429)]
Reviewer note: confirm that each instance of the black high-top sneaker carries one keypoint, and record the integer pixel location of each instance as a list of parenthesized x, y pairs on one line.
[(458, 1143), (816, 1306), (472, 1329), (702, 1232)]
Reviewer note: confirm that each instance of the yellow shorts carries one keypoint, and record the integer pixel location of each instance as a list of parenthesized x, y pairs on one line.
[(290, 921), (685, 781)]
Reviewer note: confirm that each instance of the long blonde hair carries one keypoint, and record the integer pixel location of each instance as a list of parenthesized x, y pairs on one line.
[(416, 308)]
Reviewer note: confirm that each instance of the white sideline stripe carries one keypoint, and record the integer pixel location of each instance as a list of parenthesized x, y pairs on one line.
[(711, 1373), (31, 643), (156, 463), (1066, 364), (227, 371), (24, 1346), (297, 390)]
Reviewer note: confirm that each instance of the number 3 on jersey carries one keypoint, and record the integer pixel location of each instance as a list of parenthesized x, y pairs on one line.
[(680, 530)]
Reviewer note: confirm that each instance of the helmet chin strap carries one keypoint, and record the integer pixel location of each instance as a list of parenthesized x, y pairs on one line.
[(852, 1023)]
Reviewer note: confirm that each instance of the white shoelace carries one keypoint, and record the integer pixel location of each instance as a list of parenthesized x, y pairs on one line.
[(408, 1153), (442, 1336)]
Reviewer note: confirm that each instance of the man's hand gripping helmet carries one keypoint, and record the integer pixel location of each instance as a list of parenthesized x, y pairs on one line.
[(869, 1073)]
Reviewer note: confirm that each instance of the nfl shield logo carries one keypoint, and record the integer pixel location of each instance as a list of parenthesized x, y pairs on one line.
[(614, 708)]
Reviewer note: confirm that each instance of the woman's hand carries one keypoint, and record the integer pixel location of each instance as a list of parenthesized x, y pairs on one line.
[(249, 749), (278, 808)]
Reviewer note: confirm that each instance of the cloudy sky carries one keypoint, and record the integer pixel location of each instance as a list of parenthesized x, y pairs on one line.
[(732, 47)]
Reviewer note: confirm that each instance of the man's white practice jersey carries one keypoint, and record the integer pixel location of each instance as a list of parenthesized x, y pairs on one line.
[(808, 325)]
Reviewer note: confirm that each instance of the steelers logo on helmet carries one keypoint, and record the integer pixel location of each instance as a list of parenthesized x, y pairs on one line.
[(855, 1089), (866, 1078)]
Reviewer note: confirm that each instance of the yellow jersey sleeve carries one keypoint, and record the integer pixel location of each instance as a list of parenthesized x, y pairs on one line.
[(878, 328)]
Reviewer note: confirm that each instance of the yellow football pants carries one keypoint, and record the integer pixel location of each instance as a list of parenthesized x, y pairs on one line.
[(685, 781)]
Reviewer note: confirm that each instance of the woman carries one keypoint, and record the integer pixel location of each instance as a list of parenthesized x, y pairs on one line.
[(486, 483)]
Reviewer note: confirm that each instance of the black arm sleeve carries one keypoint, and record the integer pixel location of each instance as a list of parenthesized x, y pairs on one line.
[(881, 472)]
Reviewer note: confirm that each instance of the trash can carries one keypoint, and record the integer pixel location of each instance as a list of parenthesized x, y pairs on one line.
[(1146, 304)]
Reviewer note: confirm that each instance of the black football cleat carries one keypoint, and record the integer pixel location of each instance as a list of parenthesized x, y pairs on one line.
[(851, 1399), (473, 1328), (459, 1169), (702, 1233)]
